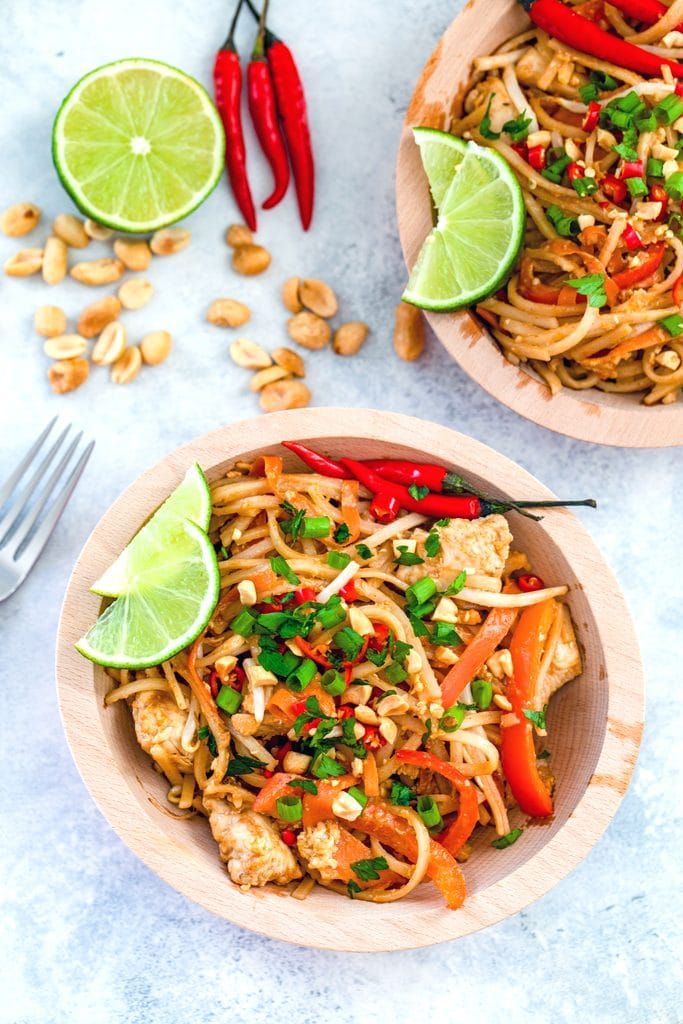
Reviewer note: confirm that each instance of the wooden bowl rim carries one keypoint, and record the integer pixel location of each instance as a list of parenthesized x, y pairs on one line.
[(616, 420), (355, 927)]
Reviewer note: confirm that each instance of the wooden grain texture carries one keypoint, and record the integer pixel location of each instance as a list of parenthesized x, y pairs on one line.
[(587, 415), (594, 723)]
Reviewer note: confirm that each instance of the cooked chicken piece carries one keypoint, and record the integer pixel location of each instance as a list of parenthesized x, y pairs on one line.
[(318, 846), (159, 724), (480, 546), (250, 845), (502, 108), (565, 664), (531, 66)]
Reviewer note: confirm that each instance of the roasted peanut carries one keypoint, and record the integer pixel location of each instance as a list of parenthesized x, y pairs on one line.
[(135, 255), (49, 321), (238, 234), (228, 313), (71, 230), (267, 376), (349, 338), (24, 263), (19, 219), (127, 366), (249, 355), (155, 347), (65, 346), (98, 272), (136, 293), (96, 231), (55, 260), (250, 259), (318, 297), (309, 330), (290, 294), (169, 241), (110, 344), (68, 374), (284, 394), (97, 315), (409, 334), (289, 361)]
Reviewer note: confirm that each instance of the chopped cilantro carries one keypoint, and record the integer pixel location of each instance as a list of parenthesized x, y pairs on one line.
[(341, 534), (485, 126), (401, 795), (364, 551), (593, 287), (368, 869), (428, 731), (417, 492), (507, 840), (243, 765), (519, 128), (352, 888), (537, 717), (544, 755), (204, 733), (432, 544), (280, 567), (293, 526), (407, 557), (306, 784)]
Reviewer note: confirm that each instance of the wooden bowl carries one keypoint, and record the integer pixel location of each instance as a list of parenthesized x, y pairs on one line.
[(594, 722), (590, 415)]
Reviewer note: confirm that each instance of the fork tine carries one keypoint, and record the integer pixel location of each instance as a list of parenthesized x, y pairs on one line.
[(16, 476), (13, 515), (24, 529), (32, 550)]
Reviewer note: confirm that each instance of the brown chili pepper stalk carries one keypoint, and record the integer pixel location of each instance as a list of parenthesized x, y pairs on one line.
[(291, 105), (227, 82), (263, 110)]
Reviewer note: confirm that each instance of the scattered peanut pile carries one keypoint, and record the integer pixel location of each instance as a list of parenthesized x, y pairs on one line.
[(279, 374)]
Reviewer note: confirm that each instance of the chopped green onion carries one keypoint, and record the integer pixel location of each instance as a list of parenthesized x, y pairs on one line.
[(338, 559), (223, 551), (554, 171), (673, 324), (429, 812), (332, 613), (482, 692), (585, 186), (446, 635), (333, 683), (302, 676), (419, 611), (289, 808), (637, 187), (316, 526), (674, 185), (452, 718), (669, 109), (280, 567), (589, 92), (655, 168), (647, 123), (358, 795), (364, 551), (604, 82), (630, 102), (395, 673), (564, 225), (228, 699), (620, 119), (280, 664), (349, 642), (507, 840), (244, 624), (421, 590)]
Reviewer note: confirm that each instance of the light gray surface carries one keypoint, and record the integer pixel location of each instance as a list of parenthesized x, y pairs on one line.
[(90, 935)]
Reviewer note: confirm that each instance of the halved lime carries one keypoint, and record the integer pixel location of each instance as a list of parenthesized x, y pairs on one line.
[(190, 500), (177, 583), (440, 153), (479, 229), (138, 144)]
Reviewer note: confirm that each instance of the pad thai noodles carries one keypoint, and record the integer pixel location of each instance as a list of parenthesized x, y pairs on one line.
[(368, 696), (596, 299)]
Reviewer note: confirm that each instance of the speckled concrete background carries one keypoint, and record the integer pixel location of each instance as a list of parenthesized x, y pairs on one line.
[(89, 935)]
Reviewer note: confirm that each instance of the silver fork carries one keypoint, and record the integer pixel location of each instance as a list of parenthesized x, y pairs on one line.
[(23, 534)]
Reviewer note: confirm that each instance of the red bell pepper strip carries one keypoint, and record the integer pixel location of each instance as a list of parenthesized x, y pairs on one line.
[(518, 755), (634, 275), (496, 625), (454, 837), (227, 83), (647, 11), (565, 25), (318, 463), (263, 110)]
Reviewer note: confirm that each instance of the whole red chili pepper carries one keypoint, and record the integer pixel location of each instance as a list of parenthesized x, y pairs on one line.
[(318, 463), (424, 474), (263, 110), (227, 85), (440, 505), (647, 11), (565, 25), (291, 105)]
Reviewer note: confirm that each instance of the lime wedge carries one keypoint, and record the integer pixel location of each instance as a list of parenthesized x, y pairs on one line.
[(479, 229), (190, 500), (177, 584), (440, 153), (138, 144)]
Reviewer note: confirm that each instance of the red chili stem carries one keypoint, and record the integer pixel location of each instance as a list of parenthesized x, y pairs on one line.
[(571, 28), (263, 110), (227, 80), (318, 463)]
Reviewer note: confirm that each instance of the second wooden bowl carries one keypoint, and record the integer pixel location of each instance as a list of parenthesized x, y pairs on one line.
[(587, 415), (594, 723)]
